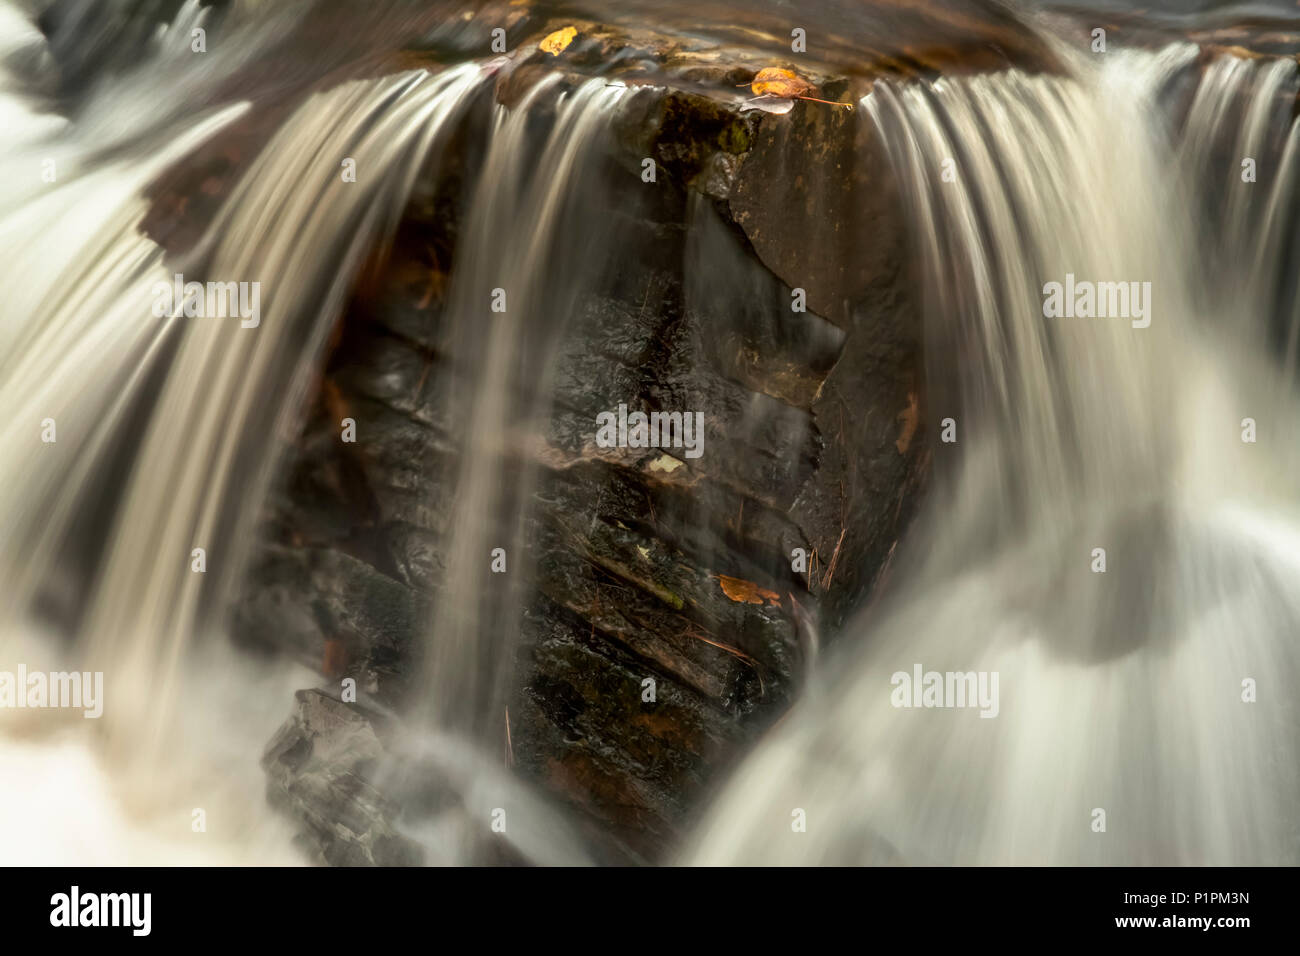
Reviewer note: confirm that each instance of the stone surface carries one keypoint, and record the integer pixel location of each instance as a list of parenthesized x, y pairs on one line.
[(320, 768)]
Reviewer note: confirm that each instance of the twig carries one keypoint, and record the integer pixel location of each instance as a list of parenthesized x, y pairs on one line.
[(692, 632), (835, 557)]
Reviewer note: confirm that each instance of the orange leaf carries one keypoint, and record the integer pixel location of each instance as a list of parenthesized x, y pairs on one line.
[(747, 592), (774, 81), (557, 41)]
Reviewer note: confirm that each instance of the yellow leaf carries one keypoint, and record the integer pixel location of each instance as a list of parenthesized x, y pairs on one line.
[(557, 41), (774, 81), (747, 592)]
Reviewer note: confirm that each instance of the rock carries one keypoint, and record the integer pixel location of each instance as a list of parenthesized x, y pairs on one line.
[(320, 767), (642, 564), (812, 196), (581, 728), (631, 546), (317, 604)]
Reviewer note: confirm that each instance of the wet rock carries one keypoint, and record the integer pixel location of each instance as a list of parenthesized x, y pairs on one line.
[(323, 605), (583, 726), (698, 140), (815, 198), (320, 769), (641, 563)]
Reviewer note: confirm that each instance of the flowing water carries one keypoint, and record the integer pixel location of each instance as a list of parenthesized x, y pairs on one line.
[(1118, 691), (545, 192), (197, 402)]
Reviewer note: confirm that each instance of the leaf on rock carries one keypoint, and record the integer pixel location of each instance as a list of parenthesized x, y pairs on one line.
[(747, 592), (336, 659), (774, 81), (557, 41)]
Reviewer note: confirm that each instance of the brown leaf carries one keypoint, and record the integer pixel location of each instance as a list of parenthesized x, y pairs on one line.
[(747, 592), (336, 659), (557, 41)]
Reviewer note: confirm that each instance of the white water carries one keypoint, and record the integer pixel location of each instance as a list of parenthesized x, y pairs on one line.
[(1119, 691)]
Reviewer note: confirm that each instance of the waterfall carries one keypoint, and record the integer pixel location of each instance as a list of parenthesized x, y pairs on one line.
[(171, 424), (1117, 731), (1240, 114), (1102, 551), (535, 220), (206, 450), (165, 422), (526, 205)]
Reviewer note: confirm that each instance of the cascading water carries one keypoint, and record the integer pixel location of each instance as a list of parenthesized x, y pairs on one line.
[(1120, 691), (196, 399), (83, 353), (543, 193), (1238, 123), (517, 263)]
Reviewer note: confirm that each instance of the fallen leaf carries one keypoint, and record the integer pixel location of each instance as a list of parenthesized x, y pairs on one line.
[(774, 81), (557, 41), (785, 84), (665, 463), (908, 417), (336, 659), (747, 592)]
